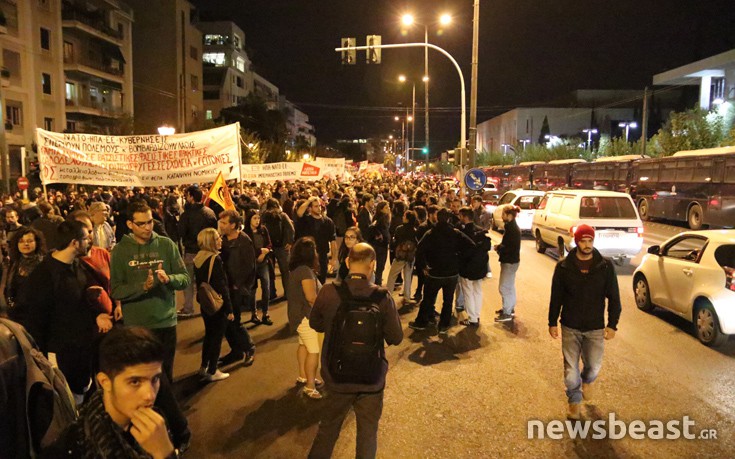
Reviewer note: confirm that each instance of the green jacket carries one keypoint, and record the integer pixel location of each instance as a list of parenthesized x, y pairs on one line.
[(130, 263)]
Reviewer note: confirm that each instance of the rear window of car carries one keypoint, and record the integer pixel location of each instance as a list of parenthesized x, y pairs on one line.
[(528, 202), (606, 207), (725, 255)]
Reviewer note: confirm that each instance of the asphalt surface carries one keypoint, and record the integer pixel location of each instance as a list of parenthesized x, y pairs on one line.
[(472, 393)]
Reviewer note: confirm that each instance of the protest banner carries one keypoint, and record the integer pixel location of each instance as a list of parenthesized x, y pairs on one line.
[(284, 171), (139, 160), (333, 167)]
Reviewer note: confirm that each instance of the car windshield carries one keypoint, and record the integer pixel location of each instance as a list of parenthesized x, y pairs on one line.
[(528, 202), (606, 207)]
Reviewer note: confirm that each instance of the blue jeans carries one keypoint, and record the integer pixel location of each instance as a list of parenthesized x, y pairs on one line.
[(507, 286), (589, 346), (262, 274)]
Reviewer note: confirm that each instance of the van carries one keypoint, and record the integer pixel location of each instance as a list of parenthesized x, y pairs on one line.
[(613, 215)]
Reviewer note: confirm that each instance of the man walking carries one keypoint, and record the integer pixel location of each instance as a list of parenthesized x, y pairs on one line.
[(366, 398), (195, 218), (581, 283)]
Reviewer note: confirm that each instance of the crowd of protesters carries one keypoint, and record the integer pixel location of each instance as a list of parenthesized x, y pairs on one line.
[(118, 255)]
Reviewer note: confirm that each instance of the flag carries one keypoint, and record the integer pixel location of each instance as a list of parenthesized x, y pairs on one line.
[(220, 193)]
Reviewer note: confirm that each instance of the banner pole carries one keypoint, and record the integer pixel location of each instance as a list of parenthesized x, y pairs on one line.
[(239, 158), (40, 166)]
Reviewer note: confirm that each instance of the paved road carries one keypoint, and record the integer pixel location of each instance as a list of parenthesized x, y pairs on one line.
[(472, 393)]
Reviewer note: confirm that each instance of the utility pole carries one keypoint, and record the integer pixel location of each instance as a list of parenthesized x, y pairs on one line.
[(413, 119), (644, 128), (473, 86), (426, 88)]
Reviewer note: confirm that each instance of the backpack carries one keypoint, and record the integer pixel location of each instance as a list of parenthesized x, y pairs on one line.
[(356, 338), (406, 251), (209, 300), (49, 406)]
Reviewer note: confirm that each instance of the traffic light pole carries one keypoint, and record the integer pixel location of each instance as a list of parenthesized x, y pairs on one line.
[(463, 120)]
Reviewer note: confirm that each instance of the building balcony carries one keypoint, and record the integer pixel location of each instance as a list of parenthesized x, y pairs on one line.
[(92, 25), (95, 68), (92, 108)]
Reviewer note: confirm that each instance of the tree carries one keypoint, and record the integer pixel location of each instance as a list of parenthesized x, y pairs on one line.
[(266, 126), (690, 130), (545, 130), (616, 146)]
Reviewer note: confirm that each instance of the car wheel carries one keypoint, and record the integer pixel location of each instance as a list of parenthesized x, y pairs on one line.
[(643, 210), (707, 326), (642, 294), (561, 248), (694, 217), (540, 244)]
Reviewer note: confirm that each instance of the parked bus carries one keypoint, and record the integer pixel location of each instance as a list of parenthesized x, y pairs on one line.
[(612, 173), (555, 174), (697, 187)]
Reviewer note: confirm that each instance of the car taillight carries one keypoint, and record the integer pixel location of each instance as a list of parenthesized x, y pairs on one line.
[(729, 276), (715, 203), (640, 231)]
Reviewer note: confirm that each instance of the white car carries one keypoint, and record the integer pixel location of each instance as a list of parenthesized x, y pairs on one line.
[(691, 275), (527, 200)]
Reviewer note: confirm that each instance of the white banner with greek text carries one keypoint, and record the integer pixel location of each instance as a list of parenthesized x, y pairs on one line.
[(307, 171), (138, 160)]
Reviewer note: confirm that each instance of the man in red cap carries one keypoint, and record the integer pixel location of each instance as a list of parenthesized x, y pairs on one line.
[(581, 283)]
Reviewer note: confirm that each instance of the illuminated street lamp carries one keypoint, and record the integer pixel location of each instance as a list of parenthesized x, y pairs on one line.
[(524, 142), (589, 136), (409, 20), (628, 125), (166, 130)]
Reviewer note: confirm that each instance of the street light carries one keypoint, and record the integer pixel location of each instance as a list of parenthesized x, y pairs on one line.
[(589, 136), (628, 125), (402, 79), (166, 130), (524, 142), (408, 20)]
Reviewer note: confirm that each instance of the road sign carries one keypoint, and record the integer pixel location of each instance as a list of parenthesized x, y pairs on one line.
[(22, 183), (475, 179)]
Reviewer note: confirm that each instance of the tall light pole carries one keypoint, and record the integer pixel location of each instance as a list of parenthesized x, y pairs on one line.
[(628, 125), (402, 79), (589, 136), (473, 85)]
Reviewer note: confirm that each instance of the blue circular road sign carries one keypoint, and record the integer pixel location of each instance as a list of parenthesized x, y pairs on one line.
[(475, 179)]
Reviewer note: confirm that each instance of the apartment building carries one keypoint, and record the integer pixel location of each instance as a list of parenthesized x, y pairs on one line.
[(266, 91), (97, 62), (167, 56), (300, 131), (227, 72), (32, 74)]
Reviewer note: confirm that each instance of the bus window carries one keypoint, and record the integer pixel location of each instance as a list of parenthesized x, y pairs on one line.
[(668, 171), (684, 171), (703, 171), (730, 172)]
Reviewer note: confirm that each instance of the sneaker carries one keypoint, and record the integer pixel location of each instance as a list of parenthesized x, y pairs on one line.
[(255, 319), (217, 376), (230, 358), (500, 311), (416, 326), (587, 391), (443, 331), (266, 320), (249, 359), (181, 314), (504, 318), (469, 323), (573, 411)]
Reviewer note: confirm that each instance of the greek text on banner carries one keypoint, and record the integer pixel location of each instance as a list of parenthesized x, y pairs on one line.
[(139, 160)]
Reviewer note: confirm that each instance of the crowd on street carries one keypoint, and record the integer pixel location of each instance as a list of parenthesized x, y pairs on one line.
[(92, 273)]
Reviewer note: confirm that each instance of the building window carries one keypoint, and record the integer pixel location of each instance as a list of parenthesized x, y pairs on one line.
[(71, 126), (71, 93), (68, 51), (14, 115), (215, 39), (217, 59), (46, 83), (236, 41), (194, 52), (48, 124), (240, 64), (45, 39), (209, 114), (239, 82), (194, 82)]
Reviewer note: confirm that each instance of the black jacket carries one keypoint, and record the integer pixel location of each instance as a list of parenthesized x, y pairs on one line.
[(404, 232), (509, 250), (474, 264), (441, 248), (239, 257), (218, 281), (195, 218), (581, 297), (364, 220)]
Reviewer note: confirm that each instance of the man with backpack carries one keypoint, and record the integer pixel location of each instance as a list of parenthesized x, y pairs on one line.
[(356, 317)]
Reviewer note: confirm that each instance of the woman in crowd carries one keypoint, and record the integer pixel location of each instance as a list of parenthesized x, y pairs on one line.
[(26, 249), (380, 237), (404, 241), (301, 291), (262, 242), (509, 252), (210, 243), (352, 237)]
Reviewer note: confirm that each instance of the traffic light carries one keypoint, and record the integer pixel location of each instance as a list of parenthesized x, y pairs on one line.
[(373, 54), (425, 150), (449, 156), (349, 56)]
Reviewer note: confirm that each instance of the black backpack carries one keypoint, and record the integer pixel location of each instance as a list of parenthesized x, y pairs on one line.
[(406, 251), (356, 338)]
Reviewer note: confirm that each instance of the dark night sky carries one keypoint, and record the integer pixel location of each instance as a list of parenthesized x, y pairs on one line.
[(530, 51)]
